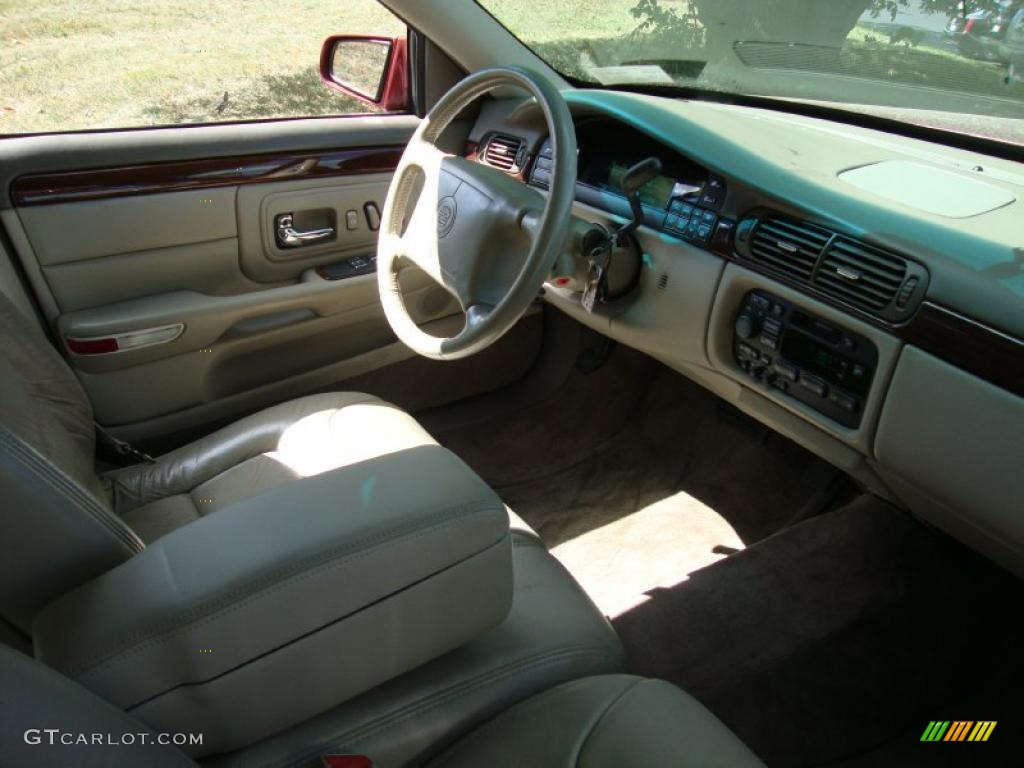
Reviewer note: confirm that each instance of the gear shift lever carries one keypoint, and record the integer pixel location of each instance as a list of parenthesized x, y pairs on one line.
[(632, 180)]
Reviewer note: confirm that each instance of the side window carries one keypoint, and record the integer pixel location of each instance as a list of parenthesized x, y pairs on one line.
[(70, 65)]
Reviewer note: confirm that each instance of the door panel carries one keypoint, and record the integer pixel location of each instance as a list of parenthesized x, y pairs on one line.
[(263, 259), (70, 232), (225, 351), (191, 245)]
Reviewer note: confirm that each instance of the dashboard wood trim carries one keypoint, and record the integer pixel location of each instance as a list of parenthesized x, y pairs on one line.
[(144, 179), (987, 352)]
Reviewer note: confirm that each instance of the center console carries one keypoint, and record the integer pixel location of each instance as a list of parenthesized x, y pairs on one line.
[(804, 356), (247, 621)]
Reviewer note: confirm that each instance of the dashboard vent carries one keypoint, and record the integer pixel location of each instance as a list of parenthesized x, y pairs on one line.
[(790, 246), (839, 266), (502, 152), (860, 274)]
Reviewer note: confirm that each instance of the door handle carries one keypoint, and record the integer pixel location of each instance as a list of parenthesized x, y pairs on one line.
[(289, 237)]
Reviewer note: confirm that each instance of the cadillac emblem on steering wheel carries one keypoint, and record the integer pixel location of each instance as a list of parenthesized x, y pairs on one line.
[(446, 211)]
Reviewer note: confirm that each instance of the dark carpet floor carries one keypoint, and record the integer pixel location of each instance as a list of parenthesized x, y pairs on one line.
[(609, 443), (733, 563), (839, 639)]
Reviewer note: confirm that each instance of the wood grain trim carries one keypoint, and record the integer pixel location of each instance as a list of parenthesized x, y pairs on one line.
[(969, 344), (124, 181)]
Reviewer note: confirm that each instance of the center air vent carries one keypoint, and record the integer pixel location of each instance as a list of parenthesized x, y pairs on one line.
[(842, 267), (790, 246), (503, 153), (861, 274)]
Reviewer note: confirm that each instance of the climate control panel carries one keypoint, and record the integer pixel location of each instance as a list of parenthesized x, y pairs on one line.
[(804, 356)]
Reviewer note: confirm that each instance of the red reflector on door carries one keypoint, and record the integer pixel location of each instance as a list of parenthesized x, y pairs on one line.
[(91, 346), (347, 761)]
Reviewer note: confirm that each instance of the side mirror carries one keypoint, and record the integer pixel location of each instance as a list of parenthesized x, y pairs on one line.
[(374, 70)]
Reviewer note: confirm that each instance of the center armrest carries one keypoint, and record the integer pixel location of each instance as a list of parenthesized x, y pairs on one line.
[(270, 611)]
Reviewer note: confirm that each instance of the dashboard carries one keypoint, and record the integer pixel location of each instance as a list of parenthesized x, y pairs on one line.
[(683, 199), (860, 292)]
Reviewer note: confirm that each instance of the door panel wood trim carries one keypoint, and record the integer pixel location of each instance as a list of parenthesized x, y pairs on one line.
[(144, 179)]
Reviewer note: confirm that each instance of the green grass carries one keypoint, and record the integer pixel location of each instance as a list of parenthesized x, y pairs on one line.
[(74, 64), (71, 64)]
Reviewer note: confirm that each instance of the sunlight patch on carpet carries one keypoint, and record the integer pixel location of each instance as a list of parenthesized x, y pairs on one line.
[(657, 546)]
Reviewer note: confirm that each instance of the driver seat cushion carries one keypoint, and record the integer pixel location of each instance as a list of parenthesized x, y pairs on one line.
[(279, 445)]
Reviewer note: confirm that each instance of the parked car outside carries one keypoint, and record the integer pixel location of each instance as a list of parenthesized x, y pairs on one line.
[(1011, 50), (980, 34)]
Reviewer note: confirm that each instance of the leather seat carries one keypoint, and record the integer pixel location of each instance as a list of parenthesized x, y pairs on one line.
[(66, 525), (47, 438), (603, 722), (594, 722)]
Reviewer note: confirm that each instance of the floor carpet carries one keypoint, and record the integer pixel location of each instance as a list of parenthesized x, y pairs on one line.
[(634, 476), (733, 563), (839, 639)]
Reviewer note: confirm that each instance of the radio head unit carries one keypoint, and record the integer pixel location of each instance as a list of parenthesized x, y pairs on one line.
[(804, 356)]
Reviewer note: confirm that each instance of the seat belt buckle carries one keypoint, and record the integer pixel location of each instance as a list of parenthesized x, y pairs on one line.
[(119, 449)]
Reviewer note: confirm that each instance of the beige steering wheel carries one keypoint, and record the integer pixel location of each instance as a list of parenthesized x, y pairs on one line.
[(486, 237)]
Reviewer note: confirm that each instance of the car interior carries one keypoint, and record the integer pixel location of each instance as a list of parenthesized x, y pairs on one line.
[(522, 422)]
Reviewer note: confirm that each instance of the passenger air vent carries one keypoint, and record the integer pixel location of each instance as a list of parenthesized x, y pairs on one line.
[(789, 246), (860, 274), (502, 152), (841, 267)]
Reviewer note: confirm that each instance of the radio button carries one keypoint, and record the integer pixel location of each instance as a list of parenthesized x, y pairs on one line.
[(844, 401), (770, 341), (748, 351), (786, 370), (813, 384), (746, 326)]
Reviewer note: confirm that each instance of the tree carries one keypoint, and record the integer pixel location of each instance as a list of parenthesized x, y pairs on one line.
[(713, 25)]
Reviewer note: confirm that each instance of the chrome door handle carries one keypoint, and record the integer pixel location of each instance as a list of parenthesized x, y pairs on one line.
[(289, 237)]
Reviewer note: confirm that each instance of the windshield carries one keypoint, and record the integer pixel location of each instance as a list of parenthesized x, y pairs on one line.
[(948, 64)]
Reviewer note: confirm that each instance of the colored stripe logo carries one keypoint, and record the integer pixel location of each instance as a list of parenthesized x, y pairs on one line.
[(958, 730)]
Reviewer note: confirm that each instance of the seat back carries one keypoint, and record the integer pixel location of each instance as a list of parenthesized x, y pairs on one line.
[(58, 526)]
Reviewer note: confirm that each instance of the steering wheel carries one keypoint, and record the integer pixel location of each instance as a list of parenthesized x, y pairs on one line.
[(486, 237)]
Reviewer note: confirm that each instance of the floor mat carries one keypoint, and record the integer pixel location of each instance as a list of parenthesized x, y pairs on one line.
[(839, 639), (634, 476)]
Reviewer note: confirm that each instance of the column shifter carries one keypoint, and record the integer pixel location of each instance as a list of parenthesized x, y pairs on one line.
[(632, 180)]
